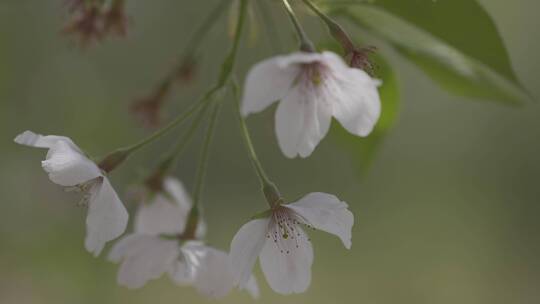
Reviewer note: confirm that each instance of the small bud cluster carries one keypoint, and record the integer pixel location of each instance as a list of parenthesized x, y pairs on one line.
[(93, 20), (147, 110)]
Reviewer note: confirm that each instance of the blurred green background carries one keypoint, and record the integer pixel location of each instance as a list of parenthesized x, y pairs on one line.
[(447, 212)]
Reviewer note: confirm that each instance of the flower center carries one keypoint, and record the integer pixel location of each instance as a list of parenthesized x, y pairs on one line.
[(313, 74), (285, 230), (84, 188)]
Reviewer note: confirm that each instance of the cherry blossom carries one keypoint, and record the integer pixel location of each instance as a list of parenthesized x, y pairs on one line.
[(68, 166), (312, 88), (283, 248)]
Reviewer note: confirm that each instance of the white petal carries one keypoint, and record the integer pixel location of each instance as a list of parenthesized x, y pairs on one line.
[(356, 102), (160, 216), (299, 58), (124, 247), (302, 120), (245, 248), (185, 269), (67, 166), (181, 274), (144, 258), (334, 60), (327, 213), (177, 191), (107, 217), (252, 287), (267, 82), (200, 232), (286, 263), (29, 138), (167, 212), (214, 279)]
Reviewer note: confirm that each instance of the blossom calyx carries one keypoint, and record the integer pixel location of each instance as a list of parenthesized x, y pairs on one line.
[(111, 161)]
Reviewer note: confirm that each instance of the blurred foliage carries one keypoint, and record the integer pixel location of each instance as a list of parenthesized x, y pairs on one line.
[(454, 42)]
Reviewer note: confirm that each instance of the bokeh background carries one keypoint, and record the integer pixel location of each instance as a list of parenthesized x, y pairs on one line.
[(447, 213)]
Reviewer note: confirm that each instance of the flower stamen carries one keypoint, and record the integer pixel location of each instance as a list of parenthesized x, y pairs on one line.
[(285, 231)]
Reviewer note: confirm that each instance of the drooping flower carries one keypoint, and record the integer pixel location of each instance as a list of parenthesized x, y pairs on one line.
[(312, 88), (283, 248), (160, 244), (68, 166)]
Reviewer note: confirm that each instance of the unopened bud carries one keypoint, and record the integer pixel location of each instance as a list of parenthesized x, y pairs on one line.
[(187, 70)]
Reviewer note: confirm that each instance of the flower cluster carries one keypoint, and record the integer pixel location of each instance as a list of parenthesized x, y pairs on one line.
[(160, 243), (169, 229)]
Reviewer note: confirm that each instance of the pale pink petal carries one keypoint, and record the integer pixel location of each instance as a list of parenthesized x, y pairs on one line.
[(267, 82), (176, 190), (160, 216), (252, 287), (167, 211), (214, 278), (355, 98), (144, 258), (124, 247), (298, 59), (286, 262), (327, 213), (302, 120), (31, 139), (181, 274), (245, 248), (190, 260), (107, 217), (67, 166)]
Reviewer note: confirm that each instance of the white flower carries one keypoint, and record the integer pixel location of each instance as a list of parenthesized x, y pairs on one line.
[(157, 247), (313, 88), (69, 167), (283, 248)]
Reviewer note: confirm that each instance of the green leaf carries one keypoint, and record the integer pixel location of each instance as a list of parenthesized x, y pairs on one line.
[(363, 149), (455, 42)]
